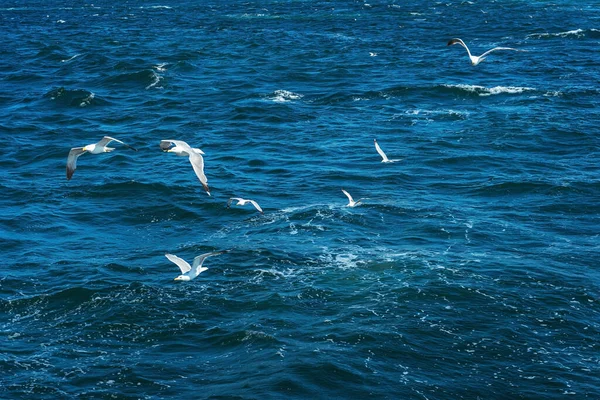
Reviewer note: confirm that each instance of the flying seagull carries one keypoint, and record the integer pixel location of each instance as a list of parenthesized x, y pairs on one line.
[(96, 148), (351, 202), (243, 202), (384, 158), (474, 59), (190, 272), (183, 149)]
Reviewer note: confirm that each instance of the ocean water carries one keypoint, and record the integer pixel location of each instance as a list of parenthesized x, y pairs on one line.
[(470, 271)]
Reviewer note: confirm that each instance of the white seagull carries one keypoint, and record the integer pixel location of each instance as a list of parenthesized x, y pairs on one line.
[(474, 59), (183, 149), (384, 158), (351, 202), (95, 148), (243, 202), (190, 272)]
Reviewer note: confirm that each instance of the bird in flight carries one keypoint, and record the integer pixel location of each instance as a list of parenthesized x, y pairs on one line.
[(384, 158), (243, 202), (474, 59), (182, 149), (190, 272), (95, 148), (351, 202)]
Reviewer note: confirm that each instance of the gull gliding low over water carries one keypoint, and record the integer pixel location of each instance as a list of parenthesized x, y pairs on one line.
[(183, 149), (384, 158), (190, 272), (474, 59), (351, 202), (243, 202), (96, 148)]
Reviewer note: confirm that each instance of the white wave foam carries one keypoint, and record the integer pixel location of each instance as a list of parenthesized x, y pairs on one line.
[(72, 58), (575, 32), (87, 101), (451, 112), (484, 91), (157, 79), (160, 67), (347, 259), (158, 7), (284, 96)]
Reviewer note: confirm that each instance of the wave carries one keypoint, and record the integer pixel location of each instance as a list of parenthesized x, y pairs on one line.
[(147, 77), (284, 96), (485, 91), (157, 7), (577, 33), (425, 91), (74, 97), (70, 58), (416, 114)]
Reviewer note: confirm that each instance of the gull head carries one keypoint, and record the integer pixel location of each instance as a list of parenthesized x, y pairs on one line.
[(86, 148), (182, 278)]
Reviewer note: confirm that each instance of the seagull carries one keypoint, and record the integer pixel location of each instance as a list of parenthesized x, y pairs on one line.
[(95, 148), (188, 273), (183, 149), (382, 154), (243, 202), (351, 202), (474, 59)]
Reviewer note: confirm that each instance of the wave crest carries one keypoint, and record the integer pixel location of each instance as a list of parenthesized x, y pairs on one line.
[(74, 97), (284, 96), (485, 91)]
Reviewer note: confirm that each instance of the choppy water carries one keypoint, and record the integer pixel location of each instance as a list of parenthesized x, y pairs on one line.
[(471, 270)]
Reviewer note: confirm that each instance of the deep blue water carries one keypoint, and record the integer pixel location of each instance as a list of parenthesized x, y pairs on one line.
[(470, 271)]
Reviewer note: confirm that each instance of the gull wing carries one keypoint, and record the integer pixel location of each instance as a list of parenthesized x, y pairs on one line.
[(348, 196), (498, 48), (72, 160), (199, 260), (381, 153), (456, 41), (255, 204), (459, 41), (181, 263), (198, 164), (107, 139)]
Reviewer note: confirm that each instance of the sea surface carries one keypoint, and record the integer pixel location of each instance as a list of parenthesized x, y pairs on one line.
[(471, 269)]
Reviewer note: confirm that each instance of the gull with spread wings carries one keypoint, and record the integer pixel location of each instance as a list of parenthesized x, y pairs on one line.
[(182, 149), (351, 202), (474, 59), (243, 202), (190, 272), (384, 158), (95, 148)]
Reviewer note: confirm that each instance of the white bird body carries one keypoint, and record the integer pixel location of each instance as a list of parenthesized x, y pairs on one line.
[(243, 202), (183, 149), (384, 158), (351, 202), (95, 148), (182, 152), (190, 272), (475, 60)]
